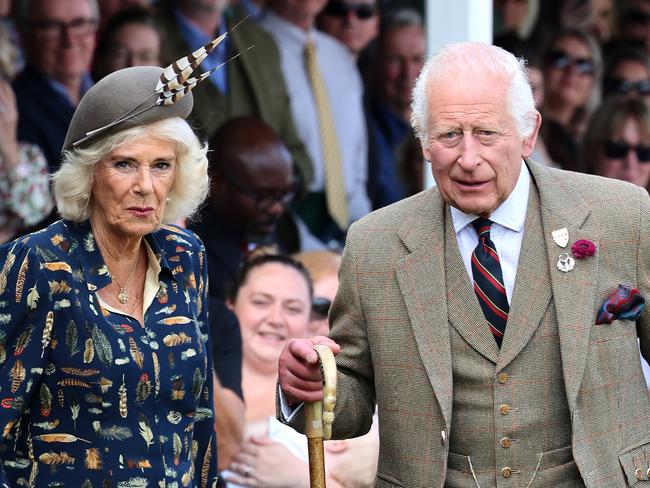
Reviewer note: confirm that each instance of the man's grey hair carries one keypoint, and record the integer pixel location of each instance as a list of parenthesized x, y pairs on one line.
[(74, 181), (474, 60), (22, 9)]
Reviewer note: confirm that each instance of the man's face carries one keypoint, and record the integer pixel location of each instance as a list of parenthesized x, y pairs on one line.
[(353, 22), (60, 38), (473, 145), (299, 12), (256, 190), (401, 59)]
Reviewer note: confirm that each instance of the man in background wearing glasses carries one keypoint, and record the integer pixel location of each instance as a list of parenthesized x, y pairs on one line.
[(252, 183), (353, 22), (58, 39)]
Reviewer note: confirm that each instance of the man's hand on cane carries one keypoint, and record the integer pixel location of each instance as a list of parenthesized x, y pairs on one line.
[(298, 370)]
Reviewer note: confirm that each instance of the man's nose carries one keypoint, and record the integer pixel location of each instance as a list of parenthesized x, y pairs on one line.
[(469, 152)]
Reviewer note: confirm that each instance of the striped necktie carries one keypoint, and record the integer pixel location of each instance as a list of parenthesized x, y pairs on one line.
[(488, 280), (337, 204)]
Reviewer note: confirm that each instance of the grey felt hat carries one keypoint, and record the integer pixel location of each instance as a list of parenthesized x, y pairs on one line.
[(122, 100)]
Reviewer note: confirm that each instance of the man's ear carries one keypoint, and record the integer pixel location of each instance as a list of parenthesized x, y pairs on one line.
[(528, 144)]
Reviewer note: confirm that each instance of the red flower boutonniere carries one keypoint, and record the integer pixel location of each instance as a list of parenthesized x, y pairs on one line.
[(583, 248)]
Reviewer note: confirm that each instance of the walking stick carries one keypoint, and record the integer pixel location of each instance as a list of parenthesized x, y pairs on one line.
[(319, 417)]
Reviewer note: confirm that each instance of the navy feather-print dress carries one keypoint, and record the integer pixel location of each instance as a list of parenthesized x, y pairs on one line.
[(90, 397)]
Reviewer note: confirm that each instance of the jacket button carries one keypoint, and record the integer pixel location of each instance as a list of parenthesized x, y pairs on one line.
[(638, 473), (502, 378), (505, 442), (504, 409), (506, 472)]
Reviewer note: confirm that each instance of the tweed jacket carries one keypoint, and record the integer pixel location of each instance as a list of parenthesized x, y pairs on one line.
[(392, 318), (255, 84)]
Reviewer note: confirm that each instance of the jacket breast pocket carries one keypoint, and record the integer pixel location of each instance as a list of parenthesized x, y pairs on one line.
[(385, 481), (636, 465)]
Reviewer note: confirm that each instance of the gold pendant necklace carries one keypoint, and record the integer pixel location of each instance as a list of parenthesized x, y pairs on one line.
[(123, 294)]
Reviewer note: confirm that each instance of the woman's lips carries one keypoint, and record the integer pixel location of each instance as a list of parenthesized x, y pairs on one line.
[(141, 211)]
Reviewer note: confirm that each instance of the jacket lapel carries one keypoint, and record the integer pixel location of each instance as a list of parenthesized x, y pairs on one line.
[(465, 313), (532, 291), (573, 292), (421, 278)]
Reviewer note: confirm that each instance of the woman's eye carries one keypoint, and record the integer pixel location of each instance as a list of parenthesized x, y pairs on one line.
[(163, 165), (121, 164)]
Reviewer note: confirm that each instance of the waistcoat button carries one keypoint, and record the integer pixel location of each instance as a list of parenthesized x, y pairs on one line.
[(502, 378), (638, 473), (506, 472), (505, 442), (504, 409)]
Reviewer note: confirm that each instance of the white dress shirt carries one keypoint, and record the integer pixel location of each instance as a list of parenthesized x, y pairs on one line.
[(345, 89), (507, 231)]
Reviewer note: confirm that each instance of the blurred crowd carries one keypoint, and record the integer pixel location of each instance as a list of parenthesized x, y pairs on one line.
[(308, 125)]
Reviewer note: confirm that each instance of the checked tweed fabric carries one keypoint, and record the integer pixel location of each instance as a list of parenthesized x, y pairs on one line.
[(337, 204), (488, 280)]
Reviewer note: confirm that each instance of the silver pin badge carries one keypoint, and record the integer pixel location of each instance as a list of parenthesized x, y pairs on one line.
[(561, 237), (565, 263)]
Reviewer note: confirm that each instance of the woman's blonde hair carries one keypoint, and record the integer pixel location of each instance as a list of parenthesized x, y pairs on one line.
[(73, 182)]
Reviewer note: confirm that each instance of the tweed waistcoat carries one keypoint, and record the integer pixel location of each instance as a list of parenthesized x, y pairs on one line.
[(510, 420)]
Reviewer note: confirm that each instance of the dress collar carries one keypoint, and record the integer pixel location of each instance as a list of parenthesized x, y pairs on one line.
[(93, 267)]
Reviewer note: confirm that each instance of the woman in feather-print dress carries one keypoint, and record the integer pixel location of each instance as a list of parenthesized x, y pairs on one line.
[(105, 371)]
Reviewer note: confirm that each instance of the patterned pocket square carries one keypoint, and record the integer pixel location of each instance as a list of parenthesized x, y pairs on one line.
[(626, 303)]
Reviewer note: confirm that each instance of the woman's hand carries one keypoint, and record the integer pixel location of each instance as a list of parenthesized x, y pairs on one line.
[(268, 464), (8, 126)]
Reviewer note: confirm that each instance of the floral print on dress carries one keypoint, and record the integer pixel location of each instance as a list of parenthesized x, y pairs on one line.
[(24, 190), (90, 397)]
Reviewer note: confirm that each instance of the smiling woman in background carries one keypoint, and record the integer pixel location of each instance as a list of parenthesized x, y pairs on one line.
[(105, 367), (272, 299)]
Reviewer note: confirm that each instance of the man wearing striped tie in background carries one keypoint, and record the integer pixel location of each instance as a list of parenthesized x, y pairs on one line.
[(494, 318)]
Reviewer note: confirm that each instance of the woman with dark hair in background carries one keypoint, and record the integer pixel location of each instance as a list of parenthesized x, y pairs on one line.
[(627, 73), (130, 38), (617, 141), (570, 65)]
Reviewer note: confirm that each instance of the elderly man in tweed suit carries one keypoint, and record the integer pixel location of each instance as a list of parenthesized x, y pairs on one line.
[(540, 386)]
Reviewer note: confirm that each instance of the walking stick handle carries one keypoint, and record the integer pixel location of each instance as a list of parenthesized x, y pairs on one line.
[(319, 417)]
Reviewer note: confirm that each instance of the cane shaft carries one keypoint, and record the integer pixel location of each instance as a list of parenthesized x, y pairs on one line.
[(316, 463)]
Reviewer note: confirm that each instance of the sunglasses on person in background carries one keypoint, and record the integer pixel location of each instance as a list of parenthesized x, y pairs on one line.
[(625, 87), (619, 150), (340, 9), (561, 60), (264, 199), (53, 29), (320, 307)]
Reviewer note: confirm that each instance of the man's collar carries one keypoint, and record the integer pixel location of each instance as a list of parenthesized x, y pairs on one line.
[(510, 214)]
